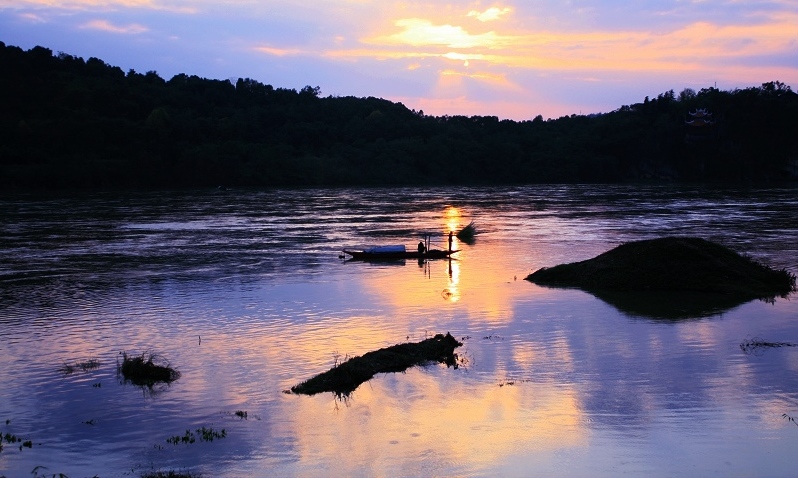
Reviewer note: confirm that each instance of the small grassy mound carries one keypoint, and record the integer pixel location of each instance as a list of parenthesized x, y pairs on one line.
[(147, 369), (344, 378), (671, 264)]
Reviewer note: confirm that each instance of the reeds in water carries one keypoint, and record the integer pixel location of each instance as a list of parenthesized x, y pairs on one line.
[(85, 366), (467, 233)]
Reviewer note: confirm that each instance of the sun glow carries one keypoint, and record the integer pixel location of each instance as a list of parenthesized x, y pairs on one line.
[(420, 32)]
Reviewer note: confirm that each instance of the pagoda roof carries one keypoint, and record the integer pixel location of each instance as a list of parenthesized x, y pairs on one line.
[(699, 122), (700, 113)]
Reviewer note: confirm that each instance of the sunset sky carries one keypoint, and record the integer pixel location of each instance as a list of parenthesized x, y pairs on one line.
[(511, 59)]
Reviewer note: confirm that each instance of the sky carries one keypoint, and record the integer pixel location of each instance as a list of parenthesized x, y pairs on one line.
[(512, 59)]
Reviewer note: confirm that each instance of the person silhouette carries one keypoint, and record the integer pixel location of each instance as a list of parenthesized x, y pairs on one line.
[(450, 241), (421, 247)]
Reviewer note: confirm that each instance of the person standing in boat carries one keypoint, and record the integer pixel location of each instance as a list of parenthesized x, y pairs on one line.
[(450, 241), (421, 247)]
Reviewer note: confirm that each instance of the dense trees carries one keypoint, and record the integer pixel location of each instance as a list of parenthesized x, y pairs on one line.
[(70, 123)]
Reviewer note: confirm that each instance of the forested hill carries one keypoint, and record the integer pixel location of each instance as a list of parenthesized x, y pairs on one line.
[(66, 122)]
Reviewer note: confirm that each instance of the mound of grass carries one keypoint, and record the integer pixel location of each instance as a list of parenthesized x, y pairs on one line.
[(147, 369), (344, 378), (671, 264)]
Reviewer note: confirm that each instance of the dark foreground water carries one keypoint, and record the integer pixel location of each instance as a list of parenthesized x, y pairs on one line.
[(244, 293)]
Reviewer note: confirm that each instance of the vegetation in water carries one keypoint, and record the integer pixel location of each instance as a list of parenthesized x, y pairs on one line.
[(204, 434), (40, 472), (170, 474), (146, 369), (756, 345), (67, 122), (789, 418), (84, 366), (467, 234), (12, 439), (346, 376)]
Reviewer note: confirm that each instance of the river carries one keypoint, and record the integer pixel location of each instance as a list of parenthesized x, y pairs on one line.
[(245, 294)]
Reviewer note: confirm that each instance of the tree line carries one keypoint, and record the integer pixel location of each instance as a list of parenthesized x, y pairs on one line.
[(67, 122)]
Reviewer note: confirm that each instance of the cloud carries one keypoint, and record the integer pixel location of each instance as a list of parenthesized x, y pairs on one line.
[(686, 47), (420, 32), (487, 52), (495, 79), (75, 4), (98, 5), (281, 51), (33, 18), (106, 26), (489, 15)]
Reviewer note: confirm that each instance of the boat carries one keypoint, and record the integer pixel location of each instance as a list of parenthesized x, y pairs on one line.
[(394, 252)]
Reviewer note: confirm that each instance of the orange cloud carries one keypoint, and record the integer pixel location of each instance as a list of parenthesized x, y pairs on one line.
[(691, 47), (280, 51), (104, 25), (519, 48), (498, 79)]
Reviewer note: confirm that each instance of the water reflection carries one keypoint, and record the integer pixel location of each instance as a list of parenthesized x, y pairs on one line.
[(447, 427), (559, 382), (669, 305)]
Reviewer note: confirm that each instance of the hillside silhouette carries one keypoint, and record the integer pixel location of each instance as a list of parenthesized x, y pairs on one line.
[(70, 123)]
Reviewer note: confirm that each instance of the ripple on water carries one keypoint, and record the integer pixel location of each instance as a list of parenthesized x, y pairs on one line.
[(243, 292)]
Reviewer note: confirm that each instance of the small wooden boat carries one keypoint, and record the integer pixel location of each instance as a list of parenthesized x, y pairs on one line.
[(390, 253)]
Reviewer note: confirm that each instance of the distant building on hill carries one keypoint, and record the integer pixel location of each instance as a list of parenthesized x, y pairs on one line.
[(700, 125)]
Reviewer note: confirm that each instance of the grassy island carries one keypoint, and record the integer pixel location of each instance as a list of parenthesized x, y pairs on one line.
[(673, 264), (345, 377)]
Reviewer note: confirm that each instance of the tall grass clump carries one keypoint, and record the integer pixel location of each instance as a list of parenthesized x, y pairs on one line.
[(148, 368), (467, 233)]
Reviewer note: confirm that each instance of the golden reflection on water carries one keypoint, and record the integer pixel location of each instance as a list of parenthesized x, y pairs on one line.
[(460, 420), (489, 270), (398, 416), (453, 218), (491, 279), (453, 291)]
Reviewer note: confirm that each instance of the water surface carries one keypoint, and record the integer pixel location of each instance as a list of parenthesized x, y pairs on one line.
[(244, 292)]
